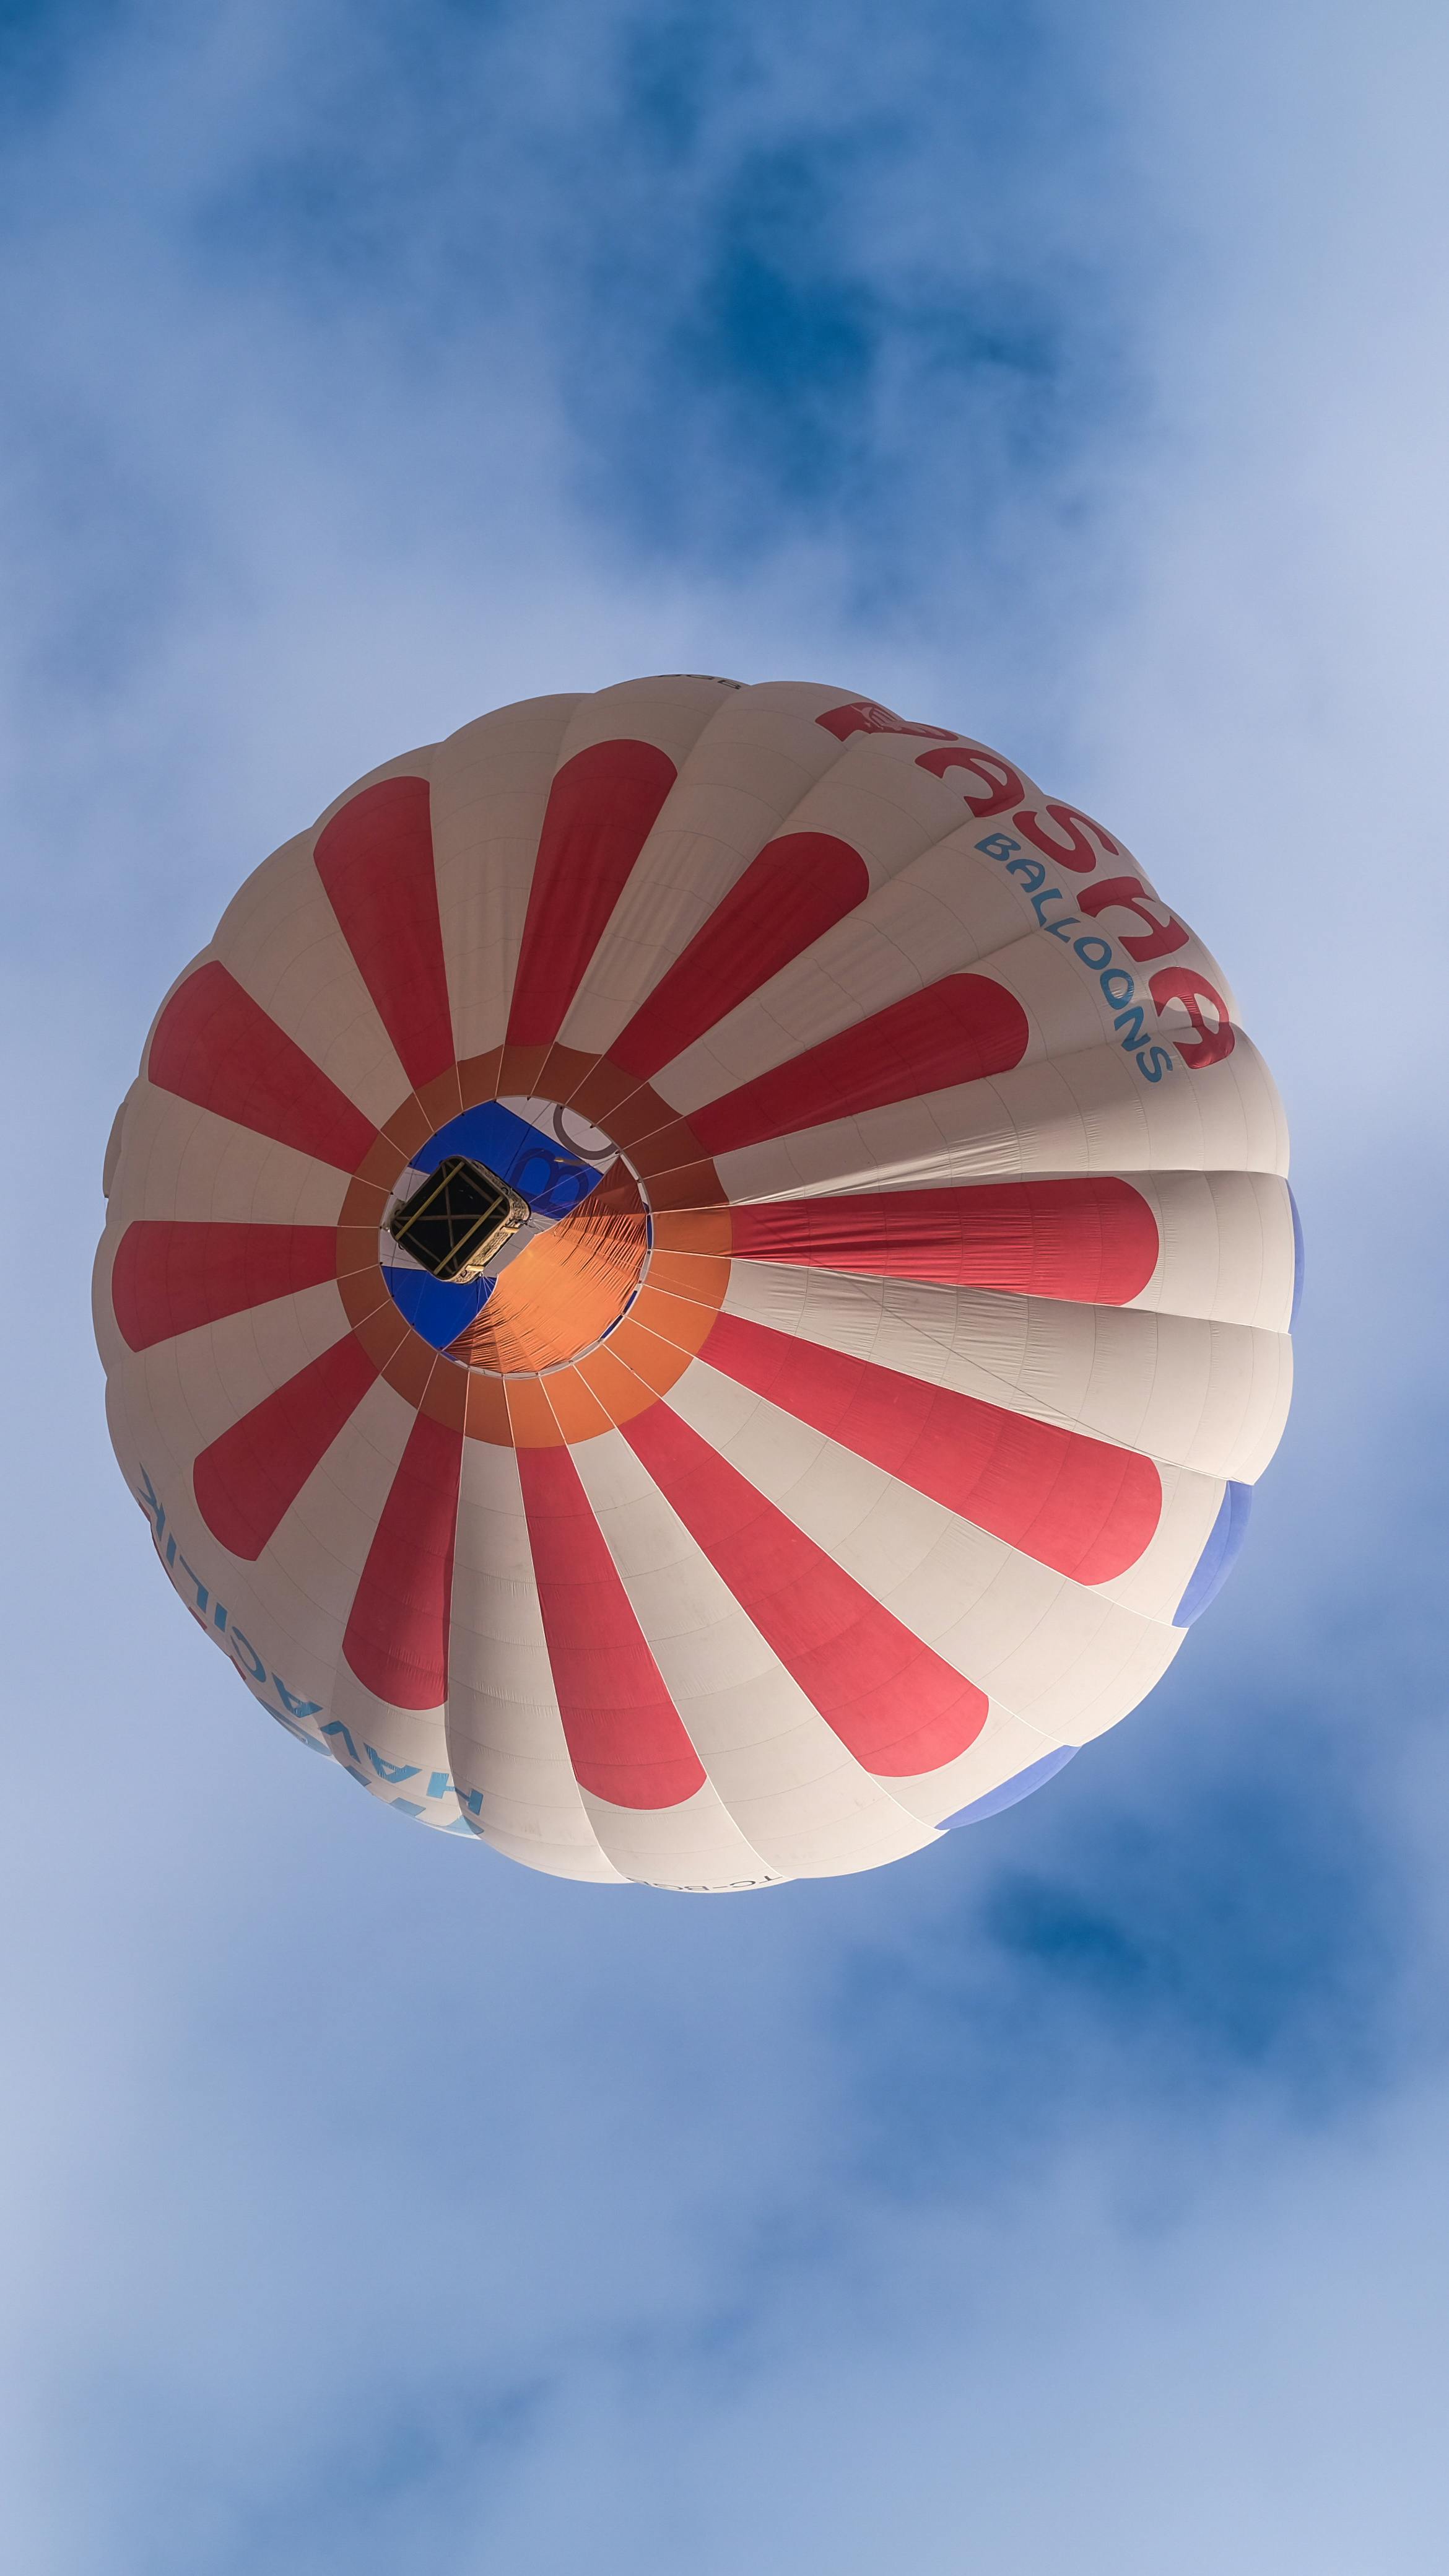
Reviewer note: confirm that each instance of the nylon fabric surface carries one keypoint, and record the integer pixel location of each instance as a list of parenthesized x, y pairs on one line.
[(892, 1326)]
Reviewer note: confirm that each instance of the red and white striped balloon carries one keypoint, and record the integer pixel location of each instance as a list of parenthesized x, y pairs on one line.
[(876, 1389)]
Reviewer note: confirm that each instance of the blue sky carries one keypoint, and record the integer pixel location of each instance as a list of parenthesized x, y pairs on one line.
[(1071, 374)]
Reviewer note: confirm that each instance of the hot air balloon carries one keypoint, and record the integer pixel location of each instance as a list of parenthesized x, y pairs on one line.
[(696, 1283)]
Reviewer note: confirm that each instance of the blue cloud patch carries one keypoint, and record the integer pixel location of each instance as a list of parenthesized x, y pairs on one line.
[(1243, 1939)]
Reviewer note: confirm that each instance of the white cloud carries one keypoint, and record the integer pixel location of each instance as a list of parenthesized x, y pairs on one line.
[(371, 2204)]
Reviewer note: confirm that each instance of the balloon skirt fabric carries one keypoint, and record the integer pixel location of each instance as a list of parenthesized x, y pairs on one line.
[(894, 1323)]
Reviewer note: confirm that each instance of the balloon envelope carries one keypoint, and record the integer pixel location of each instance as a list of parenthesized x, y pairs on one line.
[(696, 1283)]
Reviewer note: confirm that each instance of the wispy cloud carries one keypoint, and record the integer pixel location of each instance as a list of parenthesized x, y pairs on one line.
[(1072, 374)]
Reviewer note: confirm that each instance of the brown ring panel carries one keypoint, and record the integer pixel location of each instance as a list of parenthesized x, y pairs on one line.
[(663, 1301)]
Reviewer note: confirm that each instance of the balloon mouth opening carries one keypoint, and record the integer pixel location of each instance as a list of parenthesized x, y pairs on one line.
[(570, 1288), (599, 1297), (517, 1243), (453, 1225)]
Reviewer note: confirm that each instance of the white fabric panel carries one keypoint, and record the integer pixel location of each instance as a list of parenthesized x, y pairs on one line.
[(505, 1733), (906, 934), (416, 763), (215, 1588), (393, 1753), (670, 711), (582, 1861), (281, 940), (113, 1350), (292, 1605), (696, 1845), (1207, 1396), (111, 1163), (181, 1161), (1073, 882), (741, 786), (307, 1575), (882, 802), (1062, 995), (1085, 1113), (1227, 1247), (1027, 1636), (1190, 1501), (1156, 1583), (1005, 1746), (197, 1385), (805, 1804), (949, 911), (490, 785)]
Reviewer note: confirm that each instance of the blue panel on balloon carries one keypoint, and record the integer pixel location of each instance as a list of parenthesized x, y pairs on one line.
[(544, 1172), (1035, 1776), (1218, 1557), (439, 1309)]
